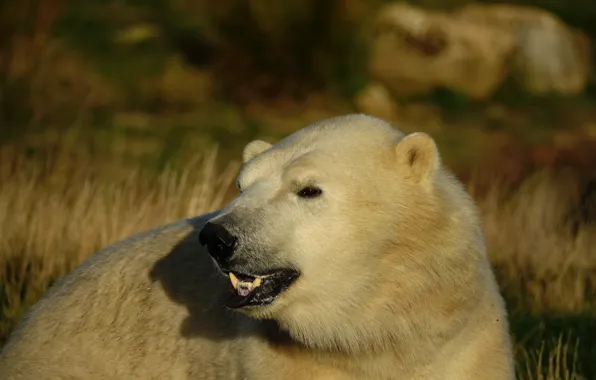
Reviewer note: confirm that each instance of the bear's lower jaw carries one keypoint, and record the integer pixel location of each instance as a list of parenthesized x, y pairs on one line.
[(252, 290)]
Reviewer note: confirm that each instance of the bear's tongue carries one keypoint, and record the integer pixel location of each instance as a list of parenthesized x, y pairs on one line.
[(244, 288)]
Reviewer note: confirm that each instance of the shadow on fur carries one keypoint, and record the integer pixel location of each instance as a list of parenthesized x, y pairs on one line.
[(182, 274)]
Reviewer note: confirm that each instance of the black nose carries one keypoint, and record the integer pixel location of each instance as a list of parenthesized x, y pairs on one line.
[(220, 243)]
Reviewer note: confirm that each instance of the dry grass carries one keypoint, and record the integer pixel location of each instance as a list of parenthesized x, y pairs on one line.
[(56, 212), (551, 365), (545, 253)]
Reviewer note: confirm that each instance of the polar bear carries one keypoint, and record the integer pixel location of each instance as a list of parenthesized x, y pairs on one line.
[(350, 253)]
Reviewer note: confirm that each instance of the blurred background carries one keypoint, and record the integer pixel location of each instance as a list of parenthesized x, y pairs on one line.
[(121, 115)]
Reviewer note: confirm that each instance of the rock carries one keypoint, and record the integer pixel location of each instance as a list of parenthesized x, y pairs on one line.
[(414, 51), (550, 56), (376, 100), (473, 49)]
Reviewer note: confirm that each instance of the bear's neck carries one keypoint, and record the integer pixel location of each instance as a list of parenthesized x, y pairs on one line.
[(400, 337), (369, 360), (352, 336)]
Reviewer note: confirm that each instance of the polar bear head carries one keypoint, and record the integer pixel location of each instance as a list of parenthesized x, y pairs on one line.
[(346, 217)]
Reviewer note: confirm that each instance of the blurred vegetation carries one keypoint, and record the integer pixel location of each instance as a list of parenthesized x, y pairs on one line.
[(227, 71), (119, 86)]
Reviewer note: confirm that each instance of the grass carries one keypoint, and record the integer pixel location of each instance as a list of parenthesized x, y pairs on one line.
[(551, 365), (543, 252), (56, 211)]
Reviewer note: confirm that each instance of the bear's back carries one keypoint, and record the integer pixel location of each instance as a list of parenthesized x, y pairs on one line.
[(131, 309)]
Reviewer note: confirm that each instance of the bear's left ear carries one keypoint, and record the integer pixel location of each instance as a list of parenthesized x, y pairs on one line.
[(254, 148), (418, 155)]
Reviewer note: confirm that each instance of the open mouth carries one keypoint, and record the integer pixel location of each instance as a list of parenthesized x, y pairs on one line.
[(258, 290)]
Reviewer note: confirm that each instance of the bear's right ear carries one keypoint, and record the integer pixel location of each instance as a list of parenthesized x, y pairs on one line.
[(418, 156), (254, 148)]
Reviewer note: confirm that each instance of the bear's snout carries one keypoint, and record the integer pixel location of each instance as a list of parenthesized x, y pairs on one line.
[(219, 241)]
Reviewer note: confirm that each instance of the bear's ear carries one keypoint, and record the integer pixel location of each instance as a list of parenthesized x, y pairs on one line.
[(418, 155), (254, 148)]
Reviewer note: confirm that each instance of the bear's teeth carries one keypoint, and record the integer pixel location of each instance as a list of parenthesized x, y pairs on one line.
[(234, 280), (242, 286)]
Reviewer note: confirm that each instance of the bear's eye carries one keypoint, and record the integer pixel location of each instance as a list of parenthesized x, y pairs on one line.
[(309, 192)]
